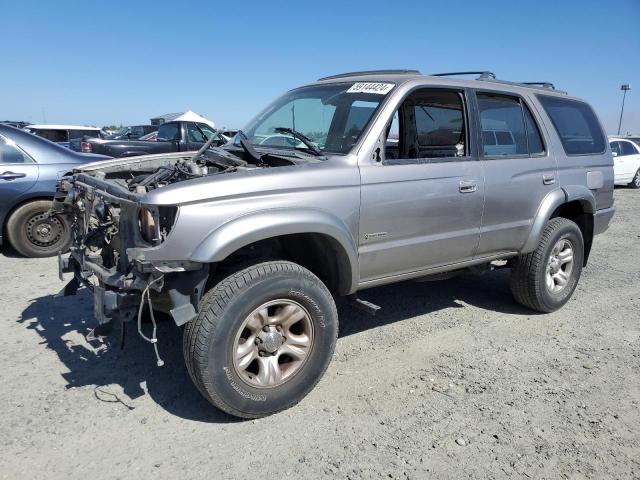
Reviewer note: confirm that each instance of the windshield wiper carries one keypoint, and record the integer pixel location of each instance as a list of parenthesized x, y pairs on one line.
[(248, 148), (315, 150)]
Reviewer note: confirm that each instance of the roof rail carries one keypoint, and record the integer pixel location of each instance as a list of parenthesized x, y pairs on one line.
[(372, 72), (540, 84), (482, 74), (547, 86)]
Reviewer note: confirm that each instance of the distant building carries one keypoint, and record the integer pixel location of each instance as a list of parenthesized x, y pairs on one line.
[(167, 117), (187, 116)]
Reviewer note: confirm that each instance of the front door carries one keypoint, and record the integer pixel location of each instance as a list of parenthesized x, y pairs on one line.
[(422, 202), (18, 173)]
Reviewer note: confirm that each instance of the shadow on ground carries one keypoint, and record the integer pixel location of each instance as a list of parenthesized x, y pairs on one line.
[(63, 323)]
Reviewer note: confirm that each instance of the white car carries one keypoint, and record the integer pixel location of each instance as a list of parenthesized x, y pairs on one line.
[(626, 162)]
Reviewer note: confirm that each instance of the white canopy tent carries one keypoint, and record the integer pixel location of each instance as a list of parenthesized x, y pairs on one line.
[(190, 116)]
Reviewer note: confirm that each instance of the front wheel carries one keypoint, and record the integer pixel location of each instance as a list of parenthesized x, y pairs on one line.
[(545, 279), (262, 340), (635, 183), (33, 232)]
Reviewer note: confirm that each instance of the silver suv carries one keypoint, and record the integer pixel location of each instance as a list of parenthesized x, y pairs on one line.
[(354, 181)]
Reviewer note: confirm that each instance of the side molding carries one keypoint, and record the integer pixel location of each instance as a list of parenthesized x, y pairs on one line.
[(262, 225)]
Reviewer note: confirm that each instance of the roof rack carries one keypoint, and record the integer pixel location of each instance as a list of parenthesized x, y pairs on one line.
[(372, 72), (488, 76), (483, 75)]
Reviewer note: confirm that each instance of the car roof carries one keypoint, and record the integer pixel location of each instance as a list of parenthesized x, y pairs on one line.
[(61, 127), (483, 82)]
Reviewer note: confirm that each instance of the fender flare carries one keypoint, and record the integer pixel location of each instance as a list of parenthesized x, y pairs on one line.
[(262, 225), (550, 203)]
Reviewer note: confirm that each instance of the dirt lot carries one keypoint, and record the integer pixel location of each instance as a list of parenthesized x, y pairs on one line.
[(451, 380)]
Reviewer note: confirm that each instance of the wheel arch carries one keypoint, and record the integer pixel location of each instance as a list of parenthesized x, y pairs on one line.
[(23, 200), (314, 239), (575, 203)]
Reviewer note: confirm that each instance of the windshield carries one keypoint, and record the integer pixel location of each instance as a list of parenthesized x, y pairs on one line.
[(331, 116)]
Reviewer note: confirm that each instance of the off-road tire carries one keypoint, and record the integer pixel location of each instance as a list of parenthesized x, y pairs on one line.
[(209, 339), (635, 183), (22, 225), (528, 271)]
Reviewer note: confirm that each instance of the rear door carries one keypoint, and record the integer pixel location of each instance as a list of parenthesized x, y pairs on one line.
[(421, 207), (519, 171), (18, 173)]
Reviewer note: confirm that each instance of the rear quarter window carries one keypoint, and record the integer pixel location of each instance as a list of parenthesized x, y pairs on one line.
[(576, 124)]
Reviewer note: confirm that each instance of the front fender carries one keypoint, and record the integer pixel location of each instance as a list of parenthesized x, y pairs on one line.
[(262, 225)]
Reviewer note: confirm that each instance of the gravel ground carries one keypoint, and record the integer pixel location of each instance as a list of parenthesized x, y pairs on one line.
[(451, 380)]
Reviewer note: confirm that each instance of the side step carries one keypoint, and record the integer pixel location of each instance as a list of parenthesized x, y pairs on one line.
[(364, 305)]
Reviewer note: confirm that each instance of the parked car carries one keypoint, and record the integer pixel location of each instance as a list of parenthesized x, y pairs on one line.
[(246, 245), (177, 136), (63, 134), (125, 133), (30, 167), (626, 161)]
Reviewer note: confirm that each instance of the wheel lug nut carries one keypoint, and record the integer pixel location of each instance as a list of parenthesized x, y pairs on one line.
[(258, 340), (265, 328)]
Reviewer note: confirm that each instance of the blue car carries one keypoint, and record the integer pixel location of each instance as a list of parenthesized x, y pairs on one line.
[(30, 167)]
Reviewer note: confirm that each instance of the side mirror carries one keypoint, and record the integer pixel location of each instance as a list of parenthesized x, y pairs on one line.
[(615, 154)]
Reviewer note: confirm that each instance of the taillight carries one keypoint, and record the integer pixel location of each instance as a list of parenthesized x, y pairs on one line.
[(85, 147)]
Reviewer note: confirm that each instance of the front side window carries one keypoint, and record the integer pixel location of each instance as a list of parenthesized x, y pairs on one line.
[(429, 124), (615, 148), (576, 124), (332, 116), (11, 154), (195, 134), (628, 148), (169, 132)]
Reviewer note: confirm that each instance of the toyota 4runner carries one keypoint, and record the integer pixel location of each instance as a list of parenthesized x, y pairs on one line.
[(354, 181)]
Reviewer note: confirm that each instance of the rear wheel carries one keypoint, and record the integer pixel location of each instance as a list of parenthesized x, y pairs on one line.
[(635, 183), (262, 339), (35, 233), (545, 279)]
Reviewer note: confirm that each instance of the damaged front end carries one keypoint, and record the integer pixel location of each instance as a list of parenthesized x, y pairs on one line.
[(112, 228)]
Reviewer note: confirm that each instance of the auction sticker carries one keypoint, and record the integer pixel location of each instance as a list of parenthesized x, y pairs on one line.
[(371, 87)]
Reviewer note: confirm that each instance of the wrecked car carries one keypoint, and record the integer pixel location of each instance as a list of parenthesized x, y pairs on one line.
[(384, 177)]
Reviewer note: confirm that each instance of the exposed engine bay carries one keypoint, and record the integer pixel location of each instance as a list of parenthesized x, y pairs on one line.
[(143, 174)]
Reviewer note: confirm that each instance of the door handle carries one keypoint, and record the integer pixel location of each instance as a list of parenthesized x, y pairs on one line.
[(11, 175), (468, 187), (548, 179)]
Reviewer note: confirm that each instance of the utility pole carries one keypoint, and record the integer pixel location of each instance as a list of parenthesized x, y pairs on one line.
[(624, 88)]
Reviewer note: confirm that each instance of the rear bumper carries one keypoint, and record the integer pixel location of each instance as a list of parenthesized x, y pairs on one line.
[(601, 220)]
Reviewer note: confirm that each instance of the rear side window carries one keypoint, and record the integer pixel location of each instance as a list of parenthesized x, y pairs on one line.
[(82, 133), (52, 134), (169, 132), (503, 117), (576, 125)]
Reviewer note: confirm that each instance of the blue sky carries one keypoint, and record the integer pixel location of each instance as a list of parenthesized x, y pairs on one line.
[(90, 62)]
